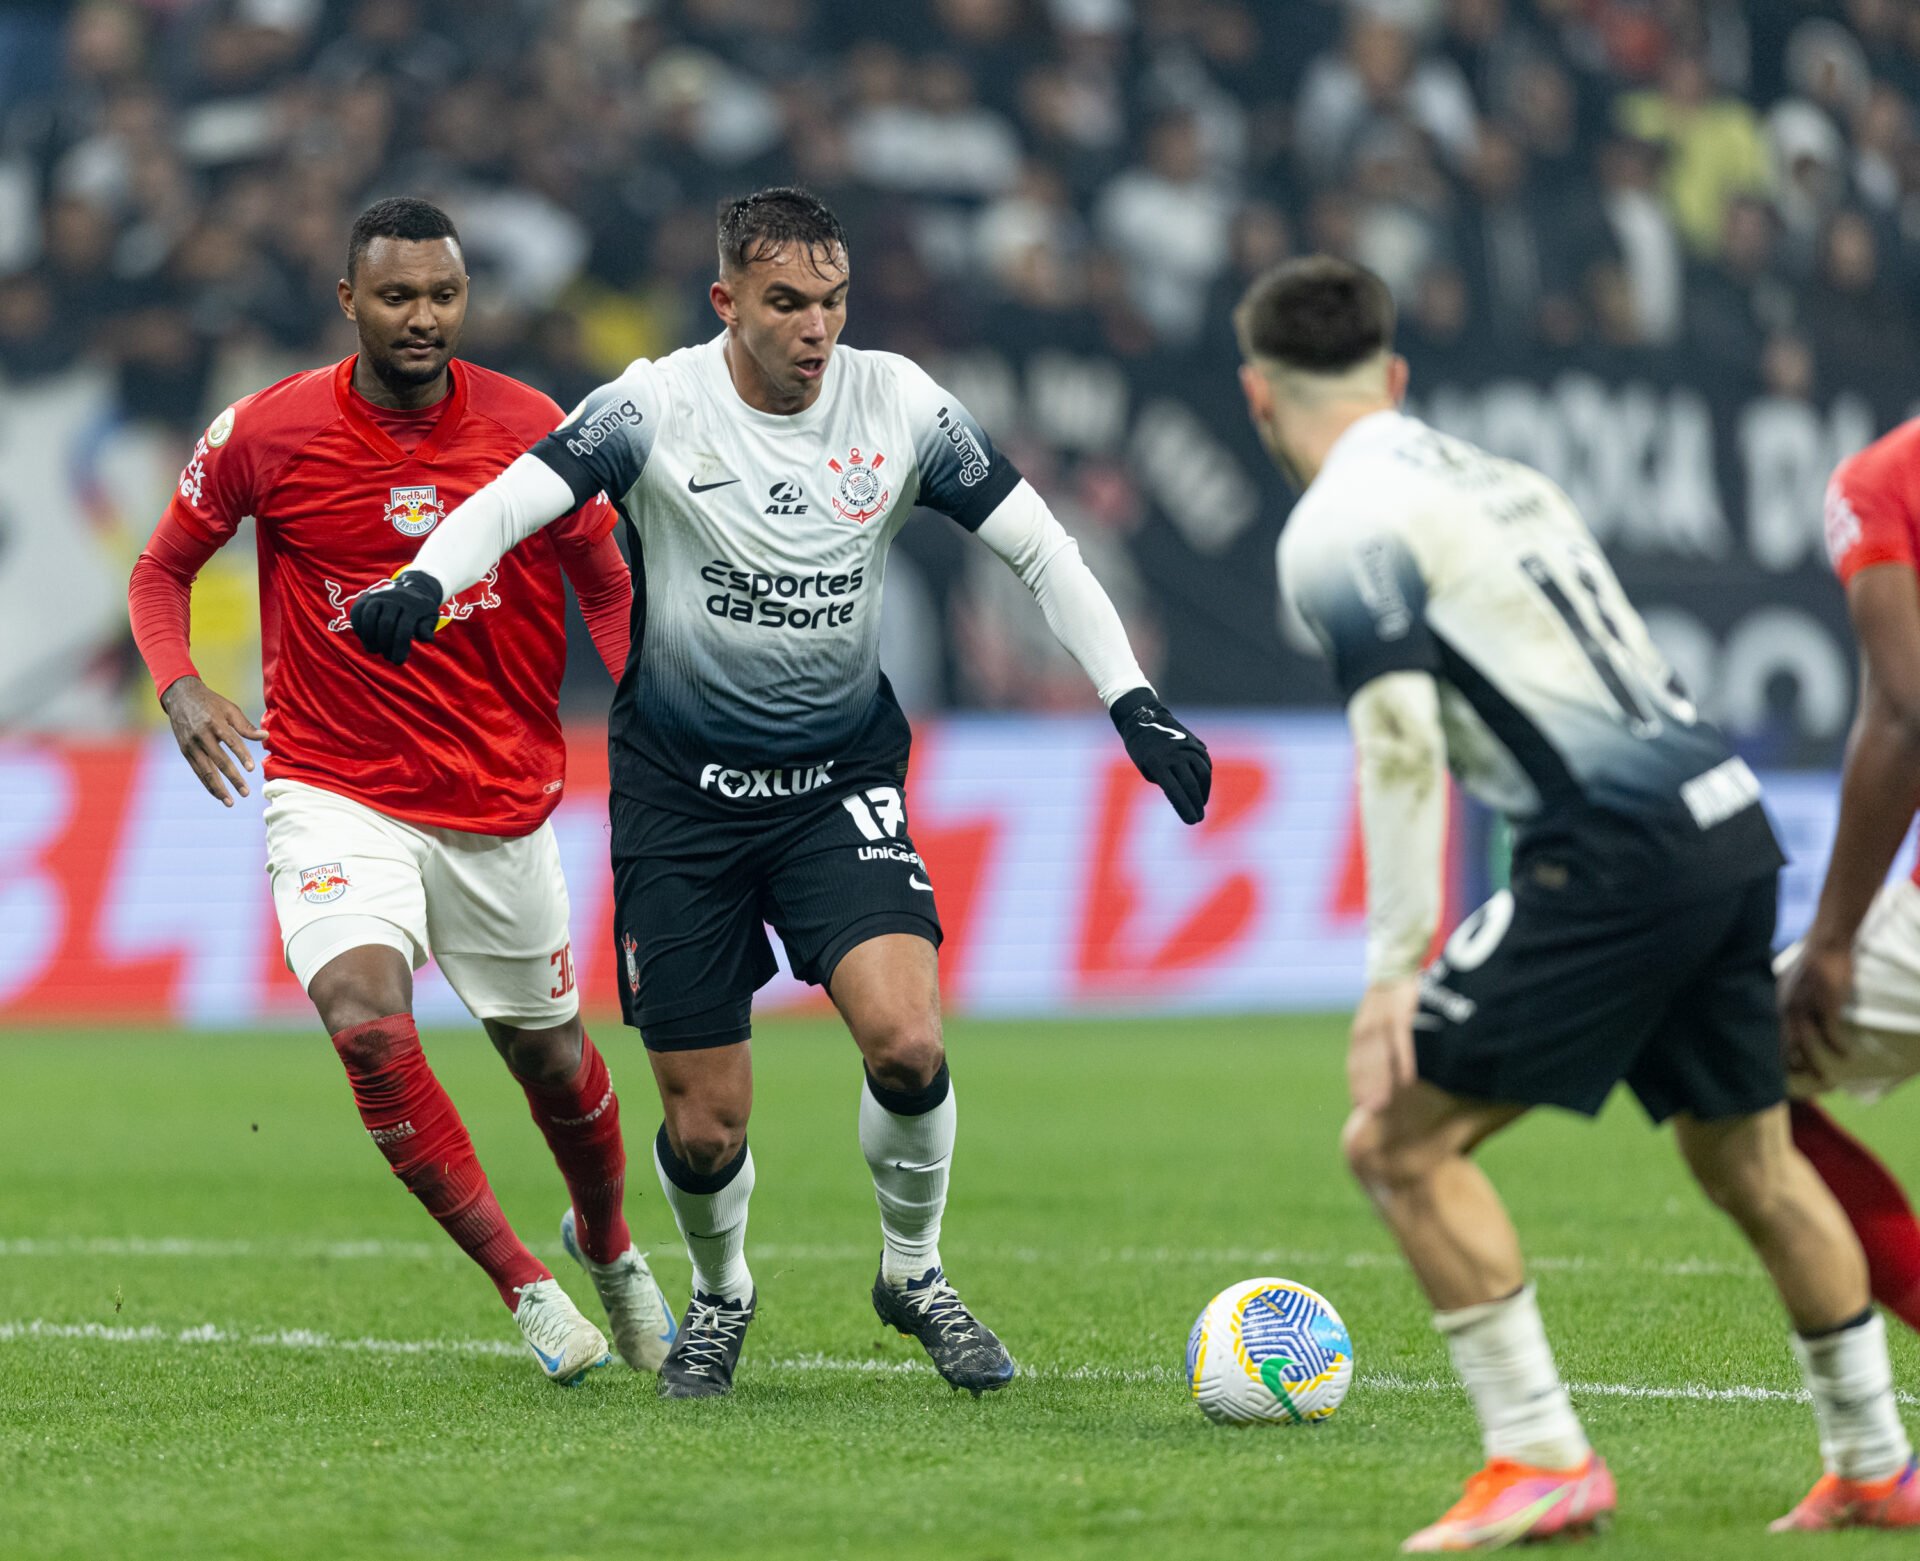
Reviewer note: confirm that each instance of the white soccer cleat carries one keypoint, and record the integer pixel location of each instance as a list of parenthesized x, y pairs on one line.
[(643, 1328), (565, 1343)]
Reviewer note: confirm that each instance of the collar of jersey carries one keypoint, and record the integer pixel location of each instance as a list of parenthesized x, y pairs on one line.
[(377, 439), (793, 422)]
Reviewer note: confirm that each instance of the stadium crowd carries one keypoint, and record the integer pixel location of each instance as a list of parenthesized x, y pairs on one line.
[(1708, 188), (1740, 179)]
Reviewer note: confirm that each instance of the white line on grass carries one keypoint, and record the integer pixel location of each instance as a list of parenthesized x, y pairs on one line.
[(40, 1328), (197, 1247)]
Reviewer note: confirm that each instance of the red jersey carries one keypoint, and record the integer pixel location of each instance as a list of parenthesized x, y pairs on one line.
[(1873, 508), (467, 734)]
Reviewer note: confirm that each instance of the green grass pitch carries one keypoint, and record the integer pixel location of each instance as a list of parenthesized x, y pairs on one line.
[(226, 1332)]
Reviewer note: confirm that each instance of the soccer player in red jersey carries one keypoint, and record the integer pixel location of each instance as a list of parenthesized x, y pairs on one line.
[(406, 814), (1850, 990)]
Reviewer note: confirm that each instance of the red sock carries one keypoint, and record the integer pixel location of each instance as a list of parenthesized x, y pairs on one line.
[(1875, 1205), (417, 1128), (581, 1122)]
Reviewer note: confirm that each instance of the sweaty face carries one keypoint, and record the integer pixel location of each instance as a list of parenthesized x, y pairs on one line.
[(785, 313), (408, 297)]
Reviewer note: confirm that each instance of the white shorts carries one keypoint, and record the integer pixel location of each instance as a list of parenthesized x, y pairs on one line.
[(490, 909), (1883, 1018)]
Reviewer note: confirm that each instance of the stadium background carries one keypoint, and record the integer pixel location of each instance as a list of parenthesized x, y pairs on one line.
[(1666, 251)]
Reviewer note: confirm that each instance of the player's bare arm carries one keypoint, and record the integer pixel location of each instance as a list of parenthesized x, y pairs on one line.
[(1400, 754), (1879, 790)]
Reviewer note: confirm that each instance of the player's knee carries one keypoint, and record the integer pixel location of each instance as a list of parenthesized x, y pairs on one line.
[(548, 1056), (905, 1054), (347, 1000), (1376, 1157), (709, 1143), (1751, 1188)]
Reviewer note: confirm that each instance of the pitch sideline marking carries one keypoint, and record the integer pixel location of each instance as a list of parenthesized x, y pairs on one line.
[(308, 1339), (202, 1248)]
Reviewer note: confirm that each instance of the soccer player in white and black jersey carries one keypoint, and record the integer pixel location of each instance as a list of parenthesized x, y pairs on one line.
[(1471, 620), (758, 754)]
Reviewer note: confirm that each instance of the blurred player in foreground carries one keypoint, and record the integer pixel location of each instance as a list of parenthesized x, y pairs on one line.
[(407, 814), (1850, 990), (757, 751), (1470, 620)]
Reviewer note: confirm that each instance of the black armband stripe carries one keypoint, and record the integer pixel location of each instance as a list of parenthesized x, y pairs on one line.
[(553, 453), (973, 505)]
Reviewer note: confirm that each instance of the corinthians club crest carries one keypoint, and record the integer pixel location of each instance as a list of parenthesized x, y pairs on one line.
[(415, 511), (863, 492)]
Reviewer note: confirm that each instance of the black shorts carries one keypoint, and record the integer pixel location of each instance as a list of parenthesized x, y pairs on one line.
[(692, 898), (1542, 1003)]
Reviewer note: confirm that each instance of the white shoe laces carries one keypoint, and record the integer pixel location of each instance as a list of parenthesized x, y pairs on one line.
[(546, 1324), (711, 1332), (940, 1304)]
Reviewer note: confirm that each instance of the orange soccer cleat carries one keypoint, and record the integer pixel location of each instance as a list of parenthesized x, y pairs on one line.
[(1836, 1503), (1508, 1503)]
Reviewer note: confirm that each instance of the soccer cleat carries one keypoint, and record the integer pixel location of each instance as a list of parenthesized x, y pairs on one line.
[(962, 1348), (1836, 1503), (566, 1344), (1510, 1503), (643, 1328), (707, 1347)]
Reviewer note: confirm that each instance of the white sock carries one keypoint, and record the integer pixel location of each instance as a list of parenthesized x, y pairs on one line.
[(1500, 1350), (1851, 1380), (909, 1154), (713, 1223)]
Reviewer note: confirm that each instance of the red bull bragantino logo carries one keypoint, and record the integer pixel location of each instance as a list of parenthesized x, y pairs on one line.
[(479, 598), (323, 884)]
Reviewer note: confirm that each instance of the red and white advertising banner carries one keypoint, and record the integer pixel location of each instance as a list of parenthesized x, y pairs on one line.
[(1065, 882)]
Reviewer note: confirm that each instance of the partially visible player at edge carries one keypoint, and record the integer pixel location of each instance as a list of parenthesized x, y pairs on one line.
[(1850, 990), (407, 814), (757, 751), (1471, 620)]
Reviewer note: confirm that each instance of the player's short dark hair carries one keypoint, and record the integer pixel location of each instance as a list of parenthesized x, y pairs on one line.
[(1318, 314), (758, 226), (399, 216)]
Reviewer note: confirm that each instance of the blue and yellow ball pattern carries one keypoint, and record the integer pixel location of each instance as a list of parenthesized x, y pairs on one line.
[(1269, 1351)]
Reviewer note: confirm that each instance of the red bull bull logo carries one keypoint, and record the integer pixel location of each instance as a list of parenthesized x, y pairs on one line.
[(478, 598), (323, 884)]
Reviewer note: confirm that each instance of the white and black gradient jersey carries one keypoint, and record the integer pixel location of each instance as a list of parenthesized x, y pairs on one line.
[(1415, 551), (759, 549)]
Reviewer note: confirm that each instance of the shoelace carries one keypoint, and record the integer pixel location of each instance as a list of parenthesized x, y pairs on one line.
[(940, 1303), (709, 1333), (547, 1328)]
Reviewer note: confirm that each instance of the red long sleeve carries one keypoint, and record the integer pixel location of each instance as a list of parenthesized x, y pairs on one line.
[(605, 592), (160, 599)]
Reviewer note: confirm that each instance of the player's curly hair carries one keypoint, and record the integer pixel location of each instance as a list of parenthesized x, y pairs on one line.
[(1316, 314), (758, 226), (398, 216)]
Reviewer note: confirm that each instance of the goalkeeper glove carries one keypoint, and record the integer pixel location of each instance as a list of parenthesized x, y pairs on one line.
[(1165, 752), (389, 618)]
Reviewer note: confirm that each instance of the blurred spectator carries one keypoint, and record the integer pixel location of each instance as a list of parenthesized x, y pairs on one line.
[(1642, 293), (1735, 306), (1856, 325), (1713, 144), (1378, 78), (1168, 221)]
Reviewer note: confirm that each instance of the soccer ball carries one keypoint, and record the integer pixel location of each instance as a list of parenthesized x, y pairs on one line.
[(1269, 1350)]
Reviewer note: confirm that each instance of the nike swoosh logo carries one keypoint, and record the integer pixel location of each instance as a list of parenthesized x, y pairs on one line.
[(913, 882), (1155, 726), (551, 1362), (901, 1165), (708, 487)]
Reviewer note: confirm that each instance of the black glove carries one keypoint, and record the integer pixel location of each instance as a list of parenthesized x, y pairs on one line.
[(1165, 752), (389, 618)]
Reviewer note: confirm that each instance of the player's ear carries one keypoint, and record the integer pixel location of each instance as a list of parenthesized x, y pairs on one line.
[(1398, 375), (721, 296), (344, 289), (1259, 393)]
